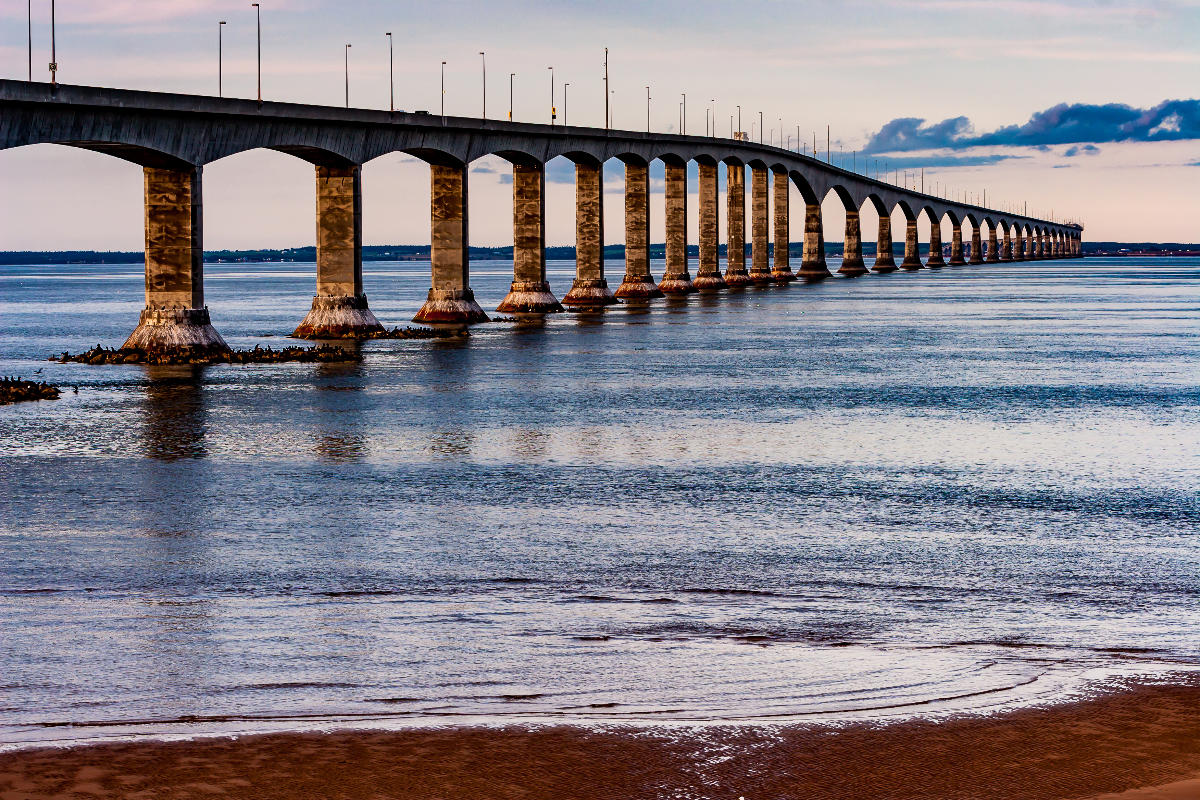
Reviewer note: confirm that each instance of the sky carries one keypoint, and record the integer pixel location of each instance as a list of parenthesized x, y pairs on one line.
[(1085, 110)]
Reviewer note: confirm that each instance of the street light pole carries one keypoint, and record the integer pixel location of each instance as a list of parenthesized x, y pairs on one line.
[(53, 55), (221, 59), (683, 118), (483, 62), (391, 75), (347, 52), (647, 109), (443, 92), (739, 128), (553, 110), (29, 11), (565, 87), (258, 20), (760, 127), (607, 113), (511, 75)]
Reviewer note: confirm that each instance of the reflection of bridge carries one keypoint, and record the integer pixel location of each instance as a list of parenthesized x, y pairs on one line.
[(174, 136)]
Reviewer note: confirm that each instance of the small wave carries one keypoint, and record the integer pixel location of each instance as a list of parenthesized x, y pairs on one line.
[(301, 685), (358, 593)]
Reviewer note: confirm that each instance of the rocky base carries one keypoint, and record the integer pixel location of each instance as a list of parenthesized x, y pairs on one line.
[(783, 275), (709, 283), (450, 306), (884, 266), (589, 293), (529, 297), (853, 269), (761, 278), (259, 355), (176, 331), (338, 317), (738, 280), (642, 288), (677, 284), (15, 390), (935, 261)]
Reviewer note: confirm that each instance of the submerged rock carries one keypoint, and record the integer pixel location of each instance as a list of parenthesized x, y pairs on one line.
[(15, 390), (190, 355)]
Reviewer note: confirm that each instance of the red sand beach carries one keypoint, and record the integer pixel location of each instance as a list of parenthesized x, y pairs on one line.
[(1143, 744)]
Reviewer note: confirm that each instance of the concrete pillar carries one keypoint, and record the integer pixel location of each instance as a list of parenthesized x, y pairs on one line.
[(1039, 246), (956, 245), (1058, 245), (638, 282), (175, 320), (339, 309), (1018, 253), (735, 223), (812, 262), (450, 299), (530, 291), (1006, 249), (1031, 246), (708, 273), (760, 263), (976, 245), (936, 259), (676, 277), (590, 289), (852, 260), (993, 251), (781, 269), (885, 260), (912, 250)]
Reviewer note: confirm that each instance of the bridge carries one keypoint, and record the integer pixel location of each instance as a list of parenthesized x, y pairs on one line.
[(172, 137)]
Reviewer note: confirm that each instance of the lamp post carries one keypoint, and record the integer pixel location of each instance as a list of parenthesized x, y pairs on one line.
[(347, 52), (553, 110), (565, 87), (53, 56), (739, 128), (760, 127), (607, 113), (258, 28), (683, 116), (29, 19), (511, 75), (220, 59), (483, 64), (391, 75), (443, 92), (647, 109)]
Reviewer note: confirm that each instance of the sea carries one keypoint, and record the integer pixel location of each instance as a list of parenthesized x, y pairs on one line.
[(954, 491)]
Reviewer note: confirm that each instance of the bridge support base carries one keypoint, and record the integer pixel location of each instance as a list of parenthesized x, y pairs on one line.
[(529, 297), (338, 317), (176, 331), (450, 307), (589, 293)]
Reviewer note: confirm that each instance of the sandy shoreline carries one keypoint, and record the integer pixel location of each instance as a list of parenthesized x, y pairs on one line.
[(1143, 744)]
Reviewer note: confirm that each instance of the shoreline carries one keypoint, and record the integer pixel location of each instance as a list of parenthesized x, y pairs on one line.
[(1138, 744)]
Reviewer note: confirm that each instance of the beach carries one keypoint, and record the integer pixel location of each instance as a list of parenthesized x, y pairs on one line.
[(1141, 744)]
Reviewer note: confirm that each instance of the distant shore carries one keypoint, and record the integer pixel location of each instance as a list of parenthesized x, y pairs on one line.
[(421, 253), (1142, 744)]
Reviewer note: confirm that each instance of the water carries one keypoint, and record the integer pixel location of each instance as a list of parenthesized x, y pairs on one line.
[(917, 493)]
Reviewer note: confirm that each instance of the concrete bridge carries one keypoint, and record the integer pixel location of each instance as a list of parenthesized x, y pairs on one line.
[(173, 136)]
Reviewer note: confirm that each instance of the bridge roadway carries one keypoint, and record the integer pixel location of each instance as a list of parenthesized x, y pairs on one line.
[(173, 136)]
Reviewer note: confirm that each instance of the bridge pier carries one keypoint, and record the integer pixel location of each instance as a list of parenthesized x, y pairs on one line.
[(885, 260), (956, 246), (735, 226), (781, 270), (638, 283), (175, 320), (530, 291), (812, 263), (976, 245), (590, 289), (676, 280), (450, 299), (1031, 247), (1018, 253), (852, 260), (760, 263), (1006, 248), (708, 273), (339, 309), (936, 259), (912, 249), (993, 252)]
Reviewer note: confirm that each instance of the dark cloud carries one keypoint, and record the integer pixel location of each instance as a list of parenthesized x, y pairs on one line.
[(1081, 149), (942, 161), (1172, 120)]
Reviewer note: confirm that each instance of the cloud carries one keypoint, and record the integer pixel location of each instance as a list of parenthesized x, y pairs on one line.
[(1171, 120), (949, 161), (1084, 149)]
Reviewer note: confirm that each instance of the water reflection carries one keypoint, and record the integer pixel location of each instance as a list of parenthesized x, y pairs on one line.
[(339, 400), (174, 422)]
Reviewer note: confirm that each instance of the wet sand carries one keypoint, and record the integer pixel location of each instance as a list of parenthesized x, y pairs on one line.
[(1143, 744)]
